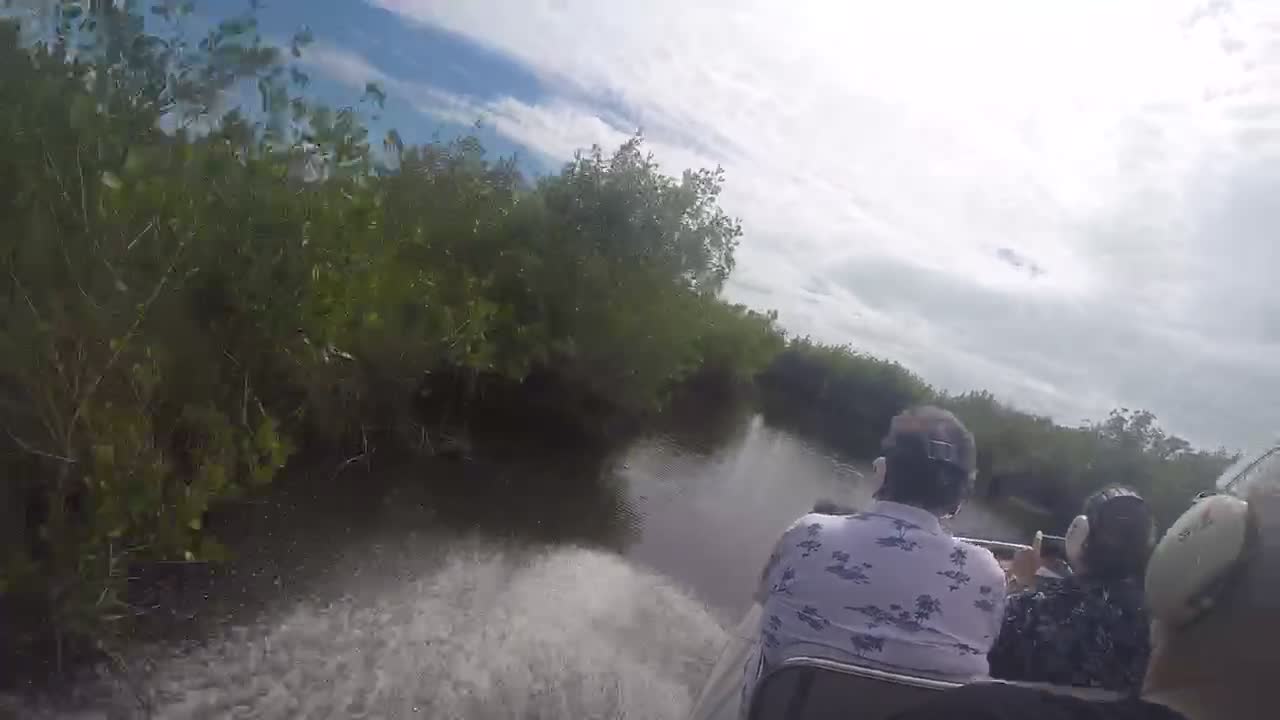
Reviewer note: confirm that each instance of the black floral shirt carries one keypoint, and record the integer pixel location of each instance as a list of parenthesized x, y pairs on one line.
[(1075, 631)]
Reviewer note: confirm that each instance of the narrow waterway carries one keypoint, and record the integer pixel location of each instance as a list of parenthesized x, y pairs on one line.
[(562, 585)]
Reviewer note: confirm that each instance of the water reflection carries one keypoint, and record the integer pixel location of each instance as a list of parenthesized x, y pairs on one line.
[(562, 498)]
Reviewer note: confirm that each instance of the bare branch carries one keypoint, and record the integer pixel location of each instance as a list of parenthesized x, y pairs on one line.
[(71, 268), (84, 198), (53, 168), (138, 237), (133, 329), (343, 465), (25, 296), (26, 447)]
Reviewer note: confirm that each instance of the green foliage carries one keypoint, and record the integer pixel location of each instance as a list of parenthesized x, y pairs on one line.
[(190, 290), (737, 343), (124, 422), (848, 398), (853, 395), (1057, 467)]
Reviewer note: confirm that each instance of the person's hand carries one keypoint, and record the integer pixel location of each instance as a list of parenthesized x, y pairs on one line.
[(1027, 563)]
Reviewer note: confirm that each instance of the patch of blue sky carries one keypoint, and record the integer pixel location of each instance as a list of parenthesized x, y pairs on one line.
[(414, 126), (412, 53), (406, 50)]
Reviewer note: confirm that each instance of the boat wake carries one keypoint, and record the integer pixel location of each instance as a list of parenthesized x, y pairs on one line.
[(487, 633)]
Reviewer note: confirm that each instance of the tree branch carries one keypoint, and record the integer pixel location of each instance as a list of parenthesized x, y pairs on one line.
[(84, 198), (133, 329), (26, 447)]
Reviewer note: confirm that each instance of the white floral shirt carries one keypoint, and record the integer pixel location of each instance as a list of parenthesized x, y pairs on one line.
[(886, 587)]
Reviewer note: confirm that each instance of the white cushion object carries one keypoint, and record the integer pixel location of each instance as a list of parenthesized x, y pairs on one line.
[(1194, 556)]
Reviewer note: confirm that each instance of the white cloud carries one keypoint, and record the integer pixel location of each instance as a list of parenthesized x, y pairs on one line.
[(555, 129), (882, 155)]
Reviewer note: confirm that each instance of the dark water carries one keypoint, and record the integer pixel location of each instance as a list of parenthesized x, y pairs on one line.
[(547, 585)]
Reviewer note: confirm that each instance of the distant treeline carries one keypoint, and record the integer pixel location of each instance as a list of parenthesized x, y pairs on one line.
[(192, 293), (848, 397)]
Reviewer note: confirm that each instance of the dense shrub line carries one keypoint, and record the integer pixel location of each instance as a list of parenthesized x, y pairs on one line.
[(190, 296)]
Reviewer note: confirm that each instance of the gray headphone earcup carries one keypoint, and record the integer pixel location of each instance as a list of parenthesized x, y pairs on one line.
[(1193, 557), (1075, 539)]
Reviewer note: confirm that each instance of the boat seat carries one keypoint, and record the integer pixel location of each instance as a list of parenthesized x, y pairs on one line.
[(807, 688), (812, 688)]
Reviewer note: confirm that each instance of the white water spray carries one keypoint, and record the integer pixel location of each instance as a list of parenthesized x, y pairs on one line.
[(489, 633)]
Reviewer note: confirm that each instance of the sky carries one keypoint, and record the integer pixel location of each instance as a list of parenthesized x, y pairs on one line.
[(1071, 203)]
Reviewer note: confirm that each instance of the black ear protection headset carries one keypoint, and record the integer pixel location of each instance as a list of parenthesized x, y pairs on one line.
[(1113, 499)]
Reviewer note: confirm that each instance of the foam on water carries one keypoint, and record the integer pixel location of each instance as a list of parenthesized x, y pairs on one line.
[(487, 633)]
